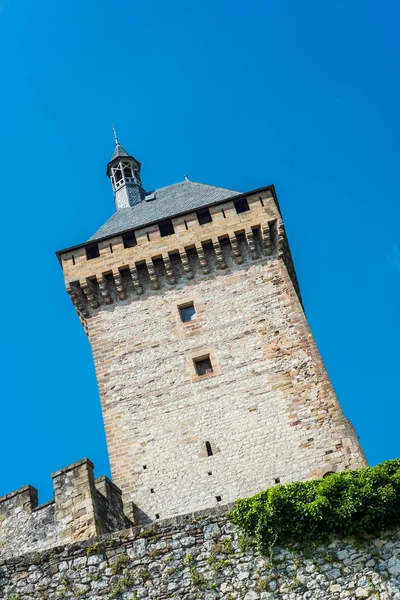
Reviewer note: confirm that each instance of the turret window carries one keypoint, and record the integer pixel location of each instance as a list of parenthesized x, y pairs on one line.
[(129, 239), (117, 174), (92, 251), (166, 228), (241, 205), (127, 171), (204, 216)]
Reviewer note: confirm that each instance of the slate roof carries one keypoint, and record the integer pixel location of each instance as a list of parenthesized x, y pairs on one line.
[(169, 201), (118, 151)]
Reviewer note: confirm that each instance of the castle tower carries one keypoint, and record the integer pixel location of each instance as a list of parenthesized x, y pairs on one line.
[(211, 384)]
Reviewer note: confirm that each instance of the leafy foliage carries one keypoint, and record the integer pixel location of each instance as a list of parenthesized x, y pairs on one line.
[(351, 503)]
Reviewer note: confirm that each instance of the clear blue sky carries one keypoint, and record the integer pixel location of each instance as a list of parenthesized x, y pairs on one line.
[(304, 95)]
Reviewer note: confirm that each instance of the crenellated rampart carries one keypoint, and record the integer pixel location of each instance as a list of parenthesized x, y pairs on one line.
[(82, 507)]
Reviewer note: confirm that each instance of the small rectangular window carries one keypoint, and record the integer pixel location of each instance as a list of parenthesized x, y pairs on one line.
[(129, 239), (187, 312), (92, 251), (203, 365), (166, 228), (204, 216), (241, 205)]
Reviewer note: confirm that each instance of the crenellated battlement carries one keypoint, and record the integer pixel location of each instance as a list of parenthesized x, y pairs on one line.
[(82, 507), (143, 261)]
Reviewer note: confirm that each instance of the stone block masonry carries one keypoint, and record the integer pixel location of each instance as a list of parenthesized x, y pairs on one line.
[(82, 508), (265, 410), (202, 557)]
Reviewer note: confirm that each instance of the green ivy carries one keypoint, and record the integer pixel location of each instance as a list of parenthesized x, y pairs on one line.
[(351, 503)]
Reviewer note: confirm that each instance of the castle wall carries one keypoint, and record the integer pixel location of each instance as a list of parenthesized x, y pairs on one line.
[(202, 557), (24, 526), (82, 508)]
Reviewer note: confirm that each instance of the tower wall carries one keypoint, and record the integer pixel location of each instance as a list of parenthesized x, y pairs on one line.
[(268, 411)]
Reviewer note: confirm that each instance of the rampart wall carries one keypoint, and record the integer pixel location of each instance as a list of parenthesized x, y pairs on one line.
[(201, 556), (82, 507)]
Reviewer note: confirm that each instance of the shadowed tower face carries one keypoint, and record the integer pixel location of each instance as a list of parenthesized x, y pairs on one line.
[(211, 385)]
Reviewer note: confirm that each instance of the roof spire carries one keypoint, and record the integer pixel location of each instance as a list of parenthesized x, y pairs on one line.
[(115, 136)]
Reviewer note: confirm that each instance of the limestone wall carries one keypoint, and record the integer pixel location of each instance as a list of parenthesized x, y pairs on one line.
[(82, 508), (268, 409), (202, 557)]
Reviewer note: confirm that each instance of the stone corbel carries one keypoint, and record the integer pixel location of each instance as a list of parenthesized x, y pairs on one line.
[(220, 255), (202, 258), (168, 269), (90, 293), (135, 280), (252, 244), (185, 264), (152, 274), (78, 300), (236, 249), (281, 240), (104, 291), (266, 238), (119, 285)]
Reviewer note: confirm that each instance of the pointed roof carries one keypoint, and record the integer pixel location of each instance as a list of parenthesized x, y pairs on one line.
[(118, 151), (164, 203)]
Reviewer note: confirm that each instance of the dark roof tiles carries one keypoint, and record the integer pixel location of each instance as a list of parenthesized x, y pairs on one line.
[(169, 201), (118, 151)]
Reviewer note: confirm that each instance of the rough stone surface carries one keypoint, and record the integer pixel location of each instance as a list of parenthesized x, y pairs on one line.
[(268, 409), (201, 557), (82, 508)]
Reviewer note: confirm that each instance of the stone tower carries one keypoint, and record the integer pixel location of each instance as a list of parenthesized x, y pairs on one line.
[(211, 384)]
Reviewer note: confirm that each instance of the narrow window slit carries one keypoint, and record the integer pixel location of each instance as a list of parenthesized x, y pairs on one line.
[(209, 449), (111, 249)]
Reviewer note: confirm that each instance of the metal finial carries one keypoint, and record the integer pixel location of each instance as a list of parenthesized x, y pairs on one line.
[(187, 178), (115, 135)]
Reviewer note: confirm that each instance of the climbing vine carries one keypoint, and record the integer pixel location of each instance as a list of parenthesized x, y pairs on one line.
[(351, 503)]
